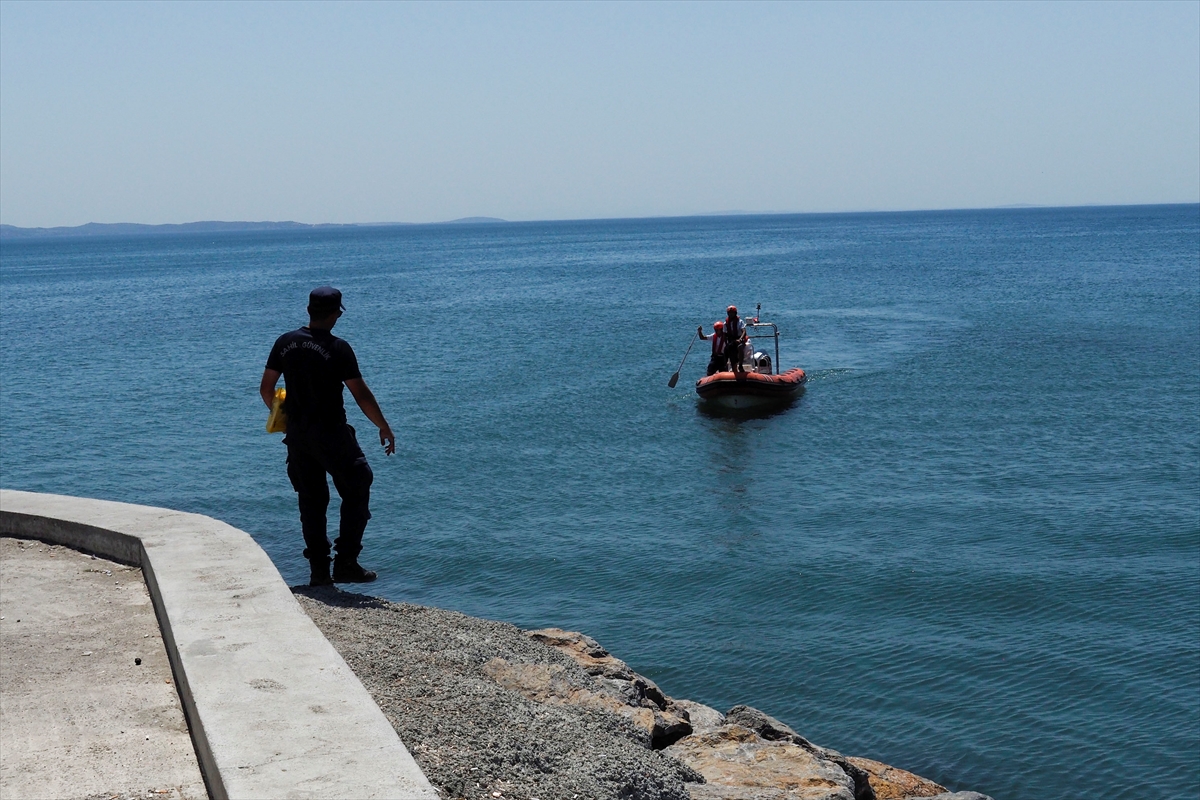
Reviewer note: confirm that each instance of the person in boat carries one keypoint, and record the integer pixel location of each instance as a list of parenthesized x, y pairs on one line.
[(716, 362), (735, 339)]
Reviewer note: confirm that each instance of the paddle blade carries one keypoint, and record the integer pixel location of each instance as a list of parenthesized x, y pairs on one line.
[(674, 380)]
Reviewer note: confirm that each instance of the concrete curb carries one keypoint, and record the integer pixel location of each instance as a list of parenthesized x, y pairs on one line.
[(274, 710)]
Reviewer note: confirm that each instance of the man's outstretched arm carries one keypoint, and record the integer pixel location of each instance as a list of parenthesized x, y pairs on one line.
[(267, 388), (370, 407)]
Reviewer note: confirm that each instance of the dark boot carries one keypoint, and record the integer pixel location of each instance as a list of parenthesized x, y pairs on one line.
[(318, 571), (349, 571)]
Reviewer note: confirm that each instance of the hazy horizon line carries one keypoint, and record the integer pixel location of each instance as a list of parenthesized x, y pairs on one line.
[(481, 219)]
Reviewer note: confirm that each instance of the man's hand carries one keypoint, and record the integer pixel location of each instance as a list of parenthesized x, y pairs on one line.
[(370, 408), (387, 439)]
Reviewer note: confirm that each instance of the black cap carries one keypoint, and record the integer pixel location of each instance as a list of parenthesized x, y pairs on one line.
[(324, 300)]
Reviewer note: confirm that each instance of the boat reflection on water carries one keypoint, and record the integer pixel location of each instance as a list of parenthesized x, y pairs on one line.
[(721, 411)]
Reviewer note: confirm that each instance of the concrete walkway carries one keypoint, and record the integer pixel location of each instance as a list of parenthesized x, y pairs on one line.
[(79, 716), (273, 709)]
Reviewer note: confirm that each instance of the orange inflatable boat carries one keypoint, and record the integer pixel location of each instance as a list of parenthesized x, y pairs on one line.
[(747, 390), (759, 386)]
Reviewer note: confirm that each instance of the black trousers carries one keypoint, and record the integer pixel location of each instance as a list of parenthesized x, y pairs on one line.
[(716, 364), (333, 451), (733, 354)]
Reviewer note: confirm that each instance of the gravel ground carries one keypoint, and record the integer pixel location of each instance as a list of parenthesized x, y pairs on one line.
[(472, 737)]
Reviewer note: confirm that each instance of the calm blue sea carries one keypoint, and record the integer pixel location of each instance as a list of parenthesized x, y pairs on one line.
[(971, 549)]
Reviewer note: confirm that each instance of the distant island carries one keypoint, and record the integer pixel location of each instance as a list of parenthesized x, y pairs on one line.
[(138, 229)]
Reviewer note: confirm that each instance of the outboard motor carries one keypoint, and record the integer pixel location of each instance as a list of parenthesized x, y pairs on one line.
[(762, 363)]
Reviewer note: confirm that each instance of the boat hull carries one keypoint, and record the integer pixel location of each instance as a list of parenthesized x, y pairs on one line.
[(750, 390)]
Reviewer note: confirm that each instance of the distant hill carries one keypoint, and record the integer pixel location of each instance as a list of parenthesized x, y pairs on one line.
[(137, 229)]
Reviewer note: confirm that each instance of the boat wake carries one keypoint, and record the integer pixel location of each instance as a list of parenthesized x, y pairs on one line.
[(830, 375)]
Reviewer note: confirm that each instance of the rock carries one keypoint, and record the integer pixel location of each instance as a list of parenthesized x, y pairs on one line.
[(586, 651), (555, 685), (669, 721), (738, 764), (890, 783), (961, 796), (764, 725), (772, 729), (703, 718), (552, 683)]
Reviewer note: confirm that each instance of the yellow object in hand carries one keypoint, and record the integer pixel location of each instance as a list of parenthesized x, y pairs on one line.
[(277, 421)]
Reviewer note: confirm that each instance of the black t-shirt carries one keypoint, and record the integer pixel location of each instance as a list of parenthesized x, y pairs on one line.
[(315, 365)]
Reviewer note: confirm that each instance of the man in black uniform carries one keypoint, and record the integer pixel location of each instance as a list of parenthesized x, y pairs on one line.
[(315, 365)]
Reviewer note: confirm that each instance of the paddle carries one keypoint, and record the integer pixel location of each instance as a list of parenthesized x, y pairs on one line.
[(675, 378)]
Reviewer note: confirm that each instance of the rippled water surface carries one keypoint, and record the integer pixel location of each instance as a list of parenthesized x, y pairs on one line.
[(971, 549)]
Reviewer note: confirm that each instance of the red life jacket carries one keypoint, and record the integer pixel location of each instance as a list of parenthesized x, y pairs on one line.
[(731, 334)]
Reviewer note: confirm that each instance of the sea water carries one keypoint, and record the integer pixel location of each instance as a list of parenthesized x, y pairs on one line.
[(971, 549)]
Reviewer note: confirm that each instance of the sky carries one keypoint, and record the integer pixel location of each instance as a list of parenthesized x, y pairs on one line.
[(412, 112)]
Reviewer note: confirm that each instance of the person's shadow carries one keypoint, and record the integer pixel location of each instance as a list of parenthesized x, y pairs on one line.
[(338, 598)]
